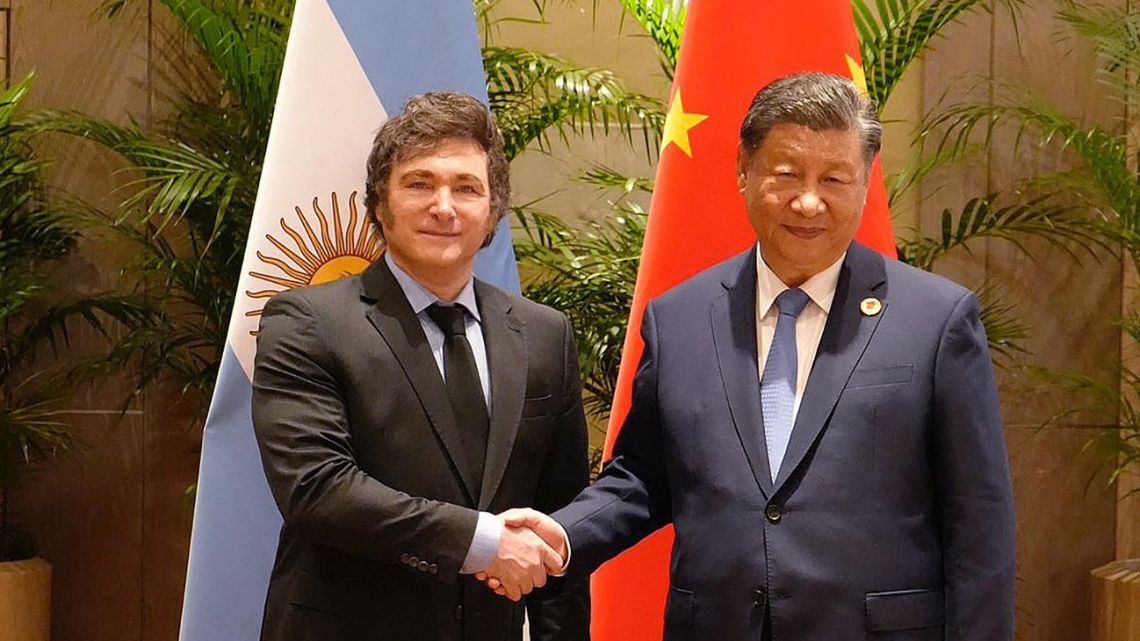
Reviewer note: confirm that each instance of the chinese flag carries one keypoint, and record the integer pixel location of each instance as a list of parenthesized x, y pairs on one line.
[(730, 49)]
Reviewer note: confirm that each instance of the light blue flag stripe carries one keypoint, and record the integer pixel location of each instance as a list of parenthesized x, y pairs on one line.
[(236, 522)]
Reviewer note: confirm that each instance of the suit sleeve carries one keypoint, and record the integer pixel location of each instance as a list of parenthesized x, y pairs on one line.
[(302, 429), (561, 610), (972, 482), (631, 498)]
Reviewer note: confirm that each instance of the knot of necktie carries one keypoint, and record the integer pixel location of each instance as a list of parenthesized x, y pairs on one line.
[(791, 302), (451, 319)]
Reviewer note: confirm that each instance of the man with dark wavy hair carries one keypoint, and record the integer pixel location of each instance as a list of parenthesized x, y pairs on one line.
[(398, 410)]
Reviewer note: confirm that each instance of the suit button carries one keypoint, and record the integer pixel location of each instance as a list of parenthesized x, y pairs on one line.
[(459, 613), (423, 566), (759, 597), (413, 561), (773, 513), (404, 558), (433, 569)]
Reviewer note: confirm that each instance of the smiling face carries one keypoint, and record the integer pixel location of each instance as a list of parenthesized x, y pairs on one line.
[(805, 192), (438, 212)]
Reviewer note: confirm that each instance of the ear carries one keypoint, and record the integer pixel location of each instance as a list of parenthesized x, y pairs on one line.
[(741, 167)]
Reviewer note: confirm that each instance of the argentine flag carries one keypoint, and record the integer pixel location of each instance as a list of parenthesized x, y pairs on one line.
[(349, 63)]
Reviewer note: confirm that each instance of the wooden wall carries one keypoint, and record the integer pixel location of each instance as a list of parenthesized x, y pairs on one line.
[(114, 520)]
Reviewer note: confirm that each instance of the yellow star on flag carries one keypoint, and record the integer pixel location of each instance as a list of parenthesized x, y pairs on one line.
[(677, 126), (857, 74)]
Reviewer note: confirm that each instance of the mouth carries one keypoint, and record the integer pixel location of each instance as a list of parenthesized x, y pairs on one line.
[(805, 233), (439, 234)]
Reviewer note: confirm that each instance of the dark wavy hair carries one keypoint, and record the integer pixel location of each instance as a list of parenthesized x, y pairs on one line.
[(426, 121)]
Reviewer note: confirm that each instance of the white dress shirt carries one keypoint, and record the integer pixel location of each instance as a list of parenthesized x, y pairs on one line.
[(809, 326)]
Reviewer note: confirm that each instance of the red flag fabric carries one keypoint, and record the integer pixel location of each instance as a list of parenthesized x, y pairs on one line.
[(729, 50)]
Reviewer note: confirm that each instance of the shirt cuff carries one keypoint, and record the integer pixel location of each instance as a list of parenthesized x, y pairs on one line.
[(484, 546), (565, 562)]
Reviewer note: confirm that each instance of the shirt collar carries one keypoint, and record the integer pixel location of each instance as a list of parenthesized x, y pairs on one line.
[(420, 297), (820, 288)]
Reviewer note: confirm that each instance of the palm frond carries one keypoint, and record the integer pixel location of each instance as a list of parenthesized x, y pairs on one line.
[(663, 21), (920, 166), (894, 33), (1039, 217), (533, 93), (605, 177), (1005, 330), (1102, 153), (1115, 34), (245, 42), (175, 175), (489, 18), (1117, 445)]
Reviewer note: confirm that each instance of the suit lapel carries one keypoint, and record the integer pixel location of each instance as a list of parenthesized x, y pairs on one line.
[(392, 316), (734, 335), (845, 338), (507, 363)]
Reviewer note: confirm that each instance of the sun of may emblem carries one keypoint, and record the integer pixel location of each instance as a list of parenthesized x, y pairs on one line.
[(333, 250)]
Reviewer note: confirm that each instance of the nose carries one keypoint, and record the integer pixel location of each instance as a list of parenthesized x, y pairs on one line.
[(808, 204), (442, 206)]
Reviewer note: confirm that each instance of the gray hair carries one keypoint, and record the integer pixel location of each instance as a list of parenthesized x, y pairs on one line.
[(818, 101)]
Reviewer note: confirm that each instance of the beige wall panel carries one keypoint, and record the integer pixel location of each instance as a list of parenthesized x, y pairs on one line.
[(589, 38), (1056, 503), (951, 73), (549, 175), (576, 32), (903, 110), (86, 514), (172, 444), (1070, 305)]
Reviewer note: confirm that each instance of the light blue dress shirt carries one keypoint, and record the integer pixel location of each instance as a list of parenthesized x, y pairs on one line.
[(488, 531)]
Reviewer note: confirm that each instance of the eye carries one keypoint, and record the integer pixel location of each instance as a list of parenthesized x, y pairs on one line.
[(468, 189), (419, 184)]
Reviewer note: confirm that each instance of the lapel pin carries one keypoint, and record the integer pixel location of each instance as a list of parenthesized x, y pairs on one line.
[(871, 306)]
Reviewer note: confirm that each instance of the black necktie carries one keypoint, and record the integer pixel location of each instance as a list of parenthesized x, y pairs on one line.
[(464, 389)]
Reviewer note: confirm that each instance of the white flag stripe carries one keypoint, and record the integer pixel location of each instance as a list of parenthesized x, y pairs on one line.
[(326, 116)]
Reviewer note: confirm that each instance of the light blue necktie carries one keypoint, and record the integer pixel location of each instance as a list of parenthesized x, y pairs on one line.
[(778, 385)]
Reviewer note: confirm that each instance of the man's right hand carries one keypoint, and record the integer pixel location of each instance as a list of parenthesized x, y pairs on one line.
[(521, 563), (534, 523)]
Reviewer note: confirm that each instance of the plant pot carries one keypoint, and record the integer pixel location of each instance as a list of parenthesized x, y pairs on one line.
[(1116, 601), (25, 600)]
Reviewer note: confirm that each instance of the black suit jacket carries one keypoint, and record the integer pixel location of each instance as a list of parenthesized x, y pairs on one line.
[(363, 457), (891, 517)]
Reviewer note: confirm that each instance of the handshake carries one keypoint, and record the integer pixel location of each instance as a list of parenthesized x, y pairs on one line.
[(531, 548)]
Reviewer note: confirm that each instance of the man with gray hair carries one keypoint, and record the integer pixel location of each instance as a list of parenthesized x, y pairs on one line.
[(819, 423)]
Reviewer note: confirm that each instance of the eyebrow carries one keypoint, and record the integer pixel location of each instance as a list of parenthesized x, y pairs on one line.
[(423, 173)]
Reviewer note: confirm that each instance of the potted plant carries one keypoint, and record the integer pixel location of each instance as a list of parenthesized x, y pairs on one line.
[(32, 320)]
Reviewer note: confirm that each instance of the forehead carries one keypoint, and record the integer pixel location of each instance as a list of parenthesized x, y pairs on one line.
[(789, 142), (450, 155)]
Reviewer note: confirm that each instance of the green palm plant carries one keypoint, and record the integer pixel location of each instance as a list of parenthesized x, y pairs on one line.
[(1098, 181), (895, 33), (33, 317)]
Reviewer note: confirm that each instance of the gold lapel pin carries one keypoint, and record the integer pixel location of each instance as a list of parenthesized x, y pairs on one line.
[(871, 306)]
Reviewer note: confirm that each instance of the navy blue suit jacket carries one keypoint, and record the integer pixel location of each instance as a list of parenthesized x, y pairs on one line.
[(892, 515)]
